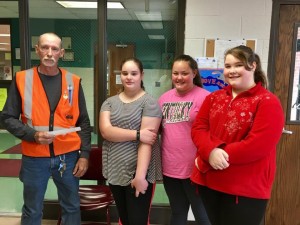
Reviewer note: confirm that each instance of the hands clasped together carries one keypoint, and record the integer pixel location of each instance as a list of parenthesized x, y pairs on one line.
[(219, 159)]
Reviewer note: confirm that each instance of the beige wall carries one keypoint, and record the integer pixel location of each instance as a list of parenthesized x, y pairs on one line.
[(227, 19)]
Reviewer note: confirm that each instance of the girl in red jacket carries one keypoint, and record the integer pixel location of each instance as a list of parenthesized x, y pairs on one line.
[(236, 132)]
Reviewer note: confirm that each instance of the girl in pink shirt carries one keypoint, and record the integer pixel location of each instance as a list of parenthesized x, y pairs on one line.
[(180, 106)]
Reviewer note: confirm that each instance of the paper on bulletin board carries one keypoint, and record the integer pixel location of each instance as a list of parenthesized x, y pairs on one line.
[(207, 62), (222, 45), (3, 97)]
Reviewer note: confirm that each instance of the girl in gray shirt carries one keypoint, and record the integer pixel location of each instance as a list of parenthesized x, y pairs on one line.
[(129, 123)]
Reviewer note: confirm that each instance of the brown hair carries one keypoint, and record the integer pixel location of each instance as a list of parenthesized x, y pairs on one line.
[(138, 63), (248, 57), (193, 65)]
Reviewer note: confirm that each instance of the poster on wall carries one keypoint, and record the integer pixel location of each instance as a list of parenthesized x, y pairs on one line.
[(3, 97), (212, 79), (5, 73)]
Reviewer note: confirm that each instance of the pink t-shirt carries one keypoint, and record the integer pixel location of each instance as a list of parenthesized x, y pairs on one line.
[(178, 149)]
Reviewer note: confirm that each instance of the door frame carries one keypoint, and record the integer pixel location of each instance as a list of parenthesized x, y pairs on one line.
[(286, 165), (274, 38)]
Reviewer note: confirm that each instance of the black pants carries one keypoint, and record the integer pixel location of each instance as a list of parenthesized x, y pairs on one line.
[(225, 209), (182, 194), (132, 210)]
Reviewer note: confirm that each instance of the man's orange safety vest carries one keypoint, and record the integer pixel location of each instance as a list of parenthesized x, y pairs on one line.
[(36, 112)]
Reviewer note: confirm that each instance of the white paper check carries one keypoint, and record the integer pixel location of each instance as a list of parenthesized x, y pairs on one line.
[(65, 131)]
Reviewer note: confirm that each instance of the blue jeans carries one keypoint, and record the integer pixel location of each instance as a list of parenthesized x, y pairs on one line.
[(35, 173), (182, 194)]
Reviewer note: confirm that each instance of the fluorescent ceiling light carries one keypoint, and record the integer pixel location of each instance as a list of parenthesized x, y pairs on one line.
[(153, 16), (89, 5), (152, 25), (4, 35), (156, 37), (4, 43), (115, 5)]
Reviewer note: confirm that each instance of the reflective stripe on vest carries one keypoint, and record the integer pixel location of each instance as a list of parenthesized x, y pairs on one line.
[(28, 94)]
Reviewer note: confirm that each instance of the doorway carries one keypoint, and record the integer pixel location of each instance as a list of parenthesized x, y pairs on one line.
[(283, 207), (116, 54)]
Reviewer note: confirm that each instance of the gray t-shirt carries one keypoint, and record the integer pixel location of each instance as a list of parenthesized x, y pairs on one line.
[(119, 159)]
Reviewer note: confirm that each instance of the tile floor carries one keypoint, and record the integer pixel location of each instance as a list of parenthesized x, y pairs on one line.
[(5, 220)]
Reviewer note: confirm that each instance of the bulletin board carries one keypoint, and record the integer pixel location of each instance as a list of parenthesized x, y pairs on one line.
[(213, 78), (210, 46)]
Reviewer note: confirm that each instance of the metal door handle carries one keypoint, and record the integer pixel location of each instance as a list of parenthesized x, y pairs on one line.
[(284, 131)]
